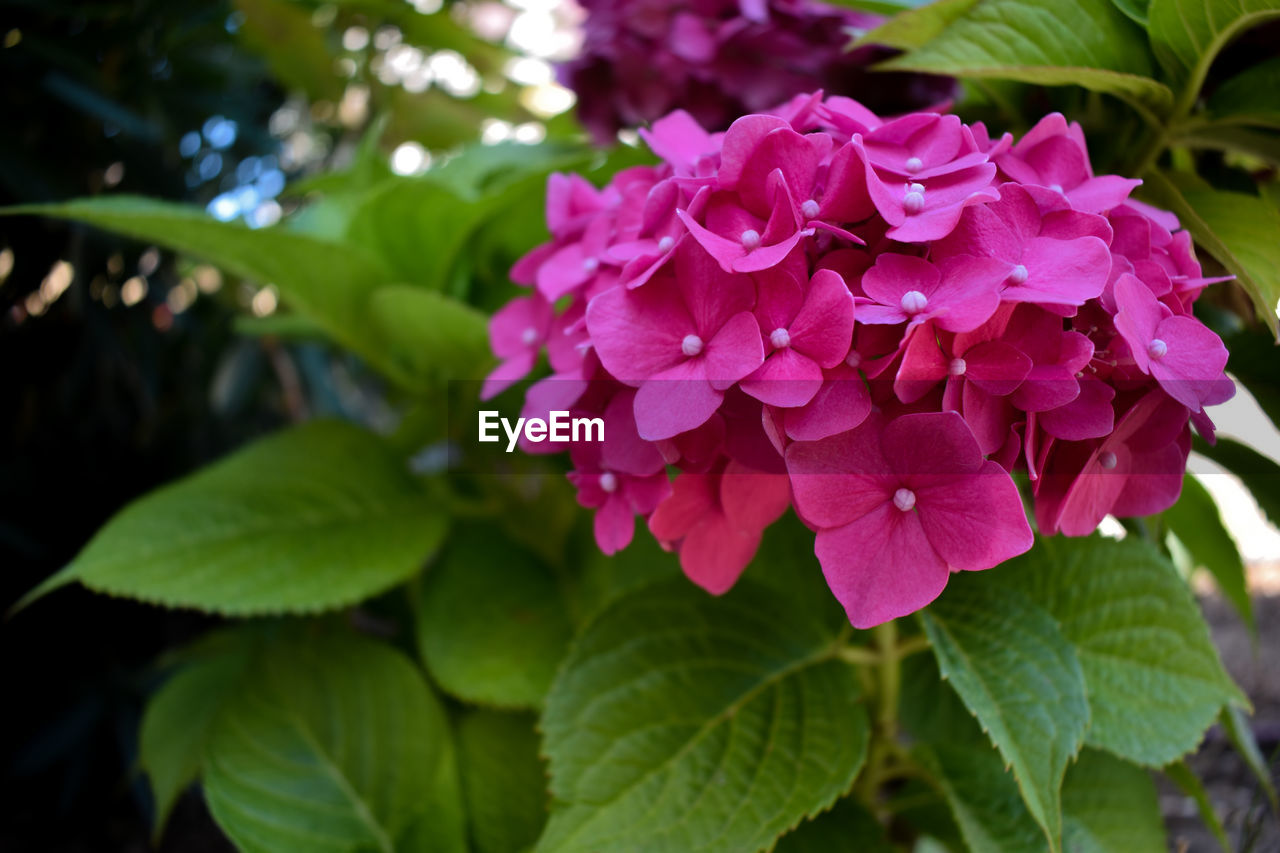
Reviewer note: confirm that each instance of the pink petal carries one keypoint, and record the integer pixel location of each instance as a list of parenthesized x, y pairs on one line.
[(841, 478), (638, 333), (930, 443), (623, 449), (881, 566), (753, 500), (823, 329), (787, 379), (842, 404), (740, 142), (975, 521), (614, 525), (734, 352), (675, 401)]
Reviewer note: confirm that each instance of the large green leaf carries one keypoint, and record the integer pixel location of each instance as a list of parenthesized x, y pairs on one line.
[(983, 797), (332, 743), (1154, 680), (504, 779), (178, 719), (685, 722), (1020, 677), (1088, 43), (1195, 520), (1110, 806), (429, 332), (316, 517), (328, 281), (1187, 35), (1237, 229), (492, 624), (1250, 96)]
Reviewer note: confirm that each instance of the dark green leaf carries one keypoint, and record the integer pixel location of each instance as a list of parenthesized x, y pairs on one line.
[(281, 32), (1154, 680), (504, 779), (1259, 473), (846, 828), (1259, 144), (492, 625), (1135, 10), (316, 517), (1186, 780), (333, 743), (1088, 43), (983, 796), (1187, 35), (1237, 229), (1250, 96), (1020, 677), (1110, 806), (1195, 520), (686, 722), (1236, 725), (177, 722)]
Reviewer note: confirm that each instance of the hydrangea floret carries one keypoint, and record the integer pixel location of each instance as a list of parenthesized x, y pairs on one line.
[(720, 59), (876, 322)]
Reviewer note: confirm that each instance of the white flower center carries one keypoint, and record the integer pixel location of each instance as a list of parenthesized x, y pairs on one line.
[(665, 244), (1018, 274), (913, 302), (1108, 460), (529, 336), (1157, 348), (750, 239), (780, 338), (810, 208), (957, 367), (904, 499), (1056, 187), (914, 164), (591, 264), (691, 345), (608, 482), (853, 359), (913, 202)]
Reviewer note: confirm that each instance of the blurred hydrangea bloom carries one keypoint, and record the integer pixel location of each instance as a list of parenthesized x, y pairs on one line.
[(874, 321), (719, 59)]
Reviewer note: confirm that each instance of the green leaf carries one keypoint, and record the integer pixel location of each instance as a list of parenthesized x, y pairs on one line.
[(685, 722), (325, 280), (1110, 806), (1187, 35), (281, 33), (1259, 473), (1189, 783), (1236, 725), (1250, 96), (1195, 520), (1154, 680), (177, 722), (983, 797), (430, 333), (416, 226), (1259, 144), (1134, 10), (316, 517), (333, 743), (1088, 43), (1237, 229), (1253, 361), (504, 779), (1020, 677), (846, 828), (492, 625), (916, 27)]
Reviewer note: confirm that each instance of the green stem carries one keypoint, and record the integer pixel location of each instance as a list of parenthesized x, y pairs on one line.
[(886, 663)]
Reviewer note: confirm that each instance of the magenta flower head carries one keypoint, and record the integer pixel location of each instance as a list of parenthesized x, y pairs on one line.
[(720, 59), (874, 322)]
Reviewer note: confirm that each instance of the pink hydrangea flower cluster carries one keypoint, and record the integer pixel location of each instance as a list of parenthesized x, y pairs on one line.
[(874, 321), (720, 59)]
